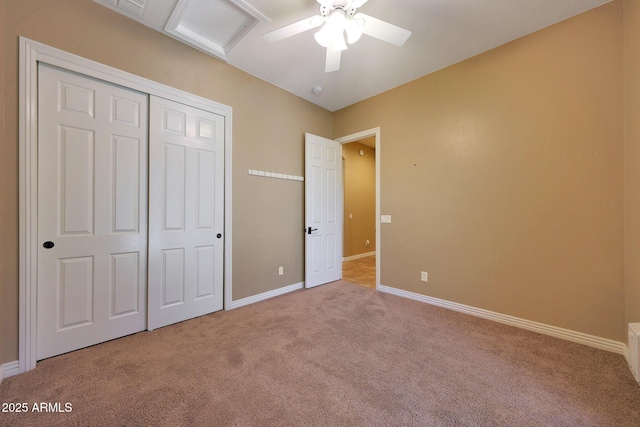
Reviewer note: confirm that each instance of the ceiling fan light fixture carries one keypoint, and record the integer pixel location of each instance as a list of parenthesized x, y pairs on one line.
[(333, 30), (339, 20), (338, 43), (323, 38), (354, 29)]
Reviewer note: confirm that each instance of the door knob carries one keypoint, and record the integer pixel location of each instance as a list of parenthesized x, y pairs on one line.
[(219, 235), (48, 245), (311, 230)]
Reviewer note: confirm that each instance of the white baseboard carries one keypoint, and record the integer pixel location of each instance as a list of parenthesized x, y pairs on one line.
[(266, 295), (364, 255), (541, 328), (9, 369)]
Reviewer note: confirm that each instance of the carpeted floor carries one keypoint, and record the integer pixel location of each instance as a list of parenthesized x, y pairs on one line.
[(335, 355)]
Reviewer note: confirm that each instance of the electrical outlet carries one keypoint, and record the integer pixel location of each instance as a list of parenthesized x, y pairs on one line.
[(424, 276), (280, 271)]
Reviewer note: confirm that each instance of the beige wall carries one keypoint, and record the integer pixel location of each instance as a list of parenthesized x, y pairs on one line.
[(503, 175), (359, 199), (632, 159), (267, 221)]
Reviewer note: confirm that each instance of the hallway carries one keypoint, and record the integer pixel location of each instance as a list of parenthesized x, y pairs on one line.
[(360, 271)]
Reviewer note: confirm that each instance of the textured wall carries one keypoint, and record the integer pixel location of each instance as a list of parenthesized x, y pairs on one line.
[(632, 159), (359, 199), (267, 213), (503, 175)]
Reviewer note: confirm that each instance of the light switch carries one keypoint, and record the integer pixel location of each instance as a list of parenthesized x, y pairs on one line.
[(385, 219)]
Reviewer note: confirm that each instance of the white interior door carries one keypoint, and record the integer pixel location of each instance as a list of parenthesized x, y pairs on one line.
[(323, 210), (186, 205), (92, 210)]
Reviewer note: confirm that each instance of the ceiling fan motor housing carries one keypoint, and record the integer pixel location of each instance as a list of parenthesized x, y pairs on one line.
[(327, 7)]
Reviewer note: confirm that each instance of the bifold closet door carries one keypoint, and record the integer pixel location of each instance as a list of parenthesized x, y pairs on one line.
[(186, 212), (92, 210)]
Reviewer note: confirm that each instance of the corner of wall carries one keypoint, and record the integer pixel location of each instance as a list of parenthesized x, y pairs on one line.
[(631, 88), (2, 157)]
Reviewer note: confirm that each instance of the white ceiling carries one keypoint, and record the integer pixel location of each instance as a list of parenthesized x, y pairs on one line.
[(443, 32)]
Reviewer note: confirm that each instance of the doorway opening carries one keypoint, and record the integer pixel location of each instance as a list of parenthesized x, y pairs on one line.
[(359, 230), (361, 181)]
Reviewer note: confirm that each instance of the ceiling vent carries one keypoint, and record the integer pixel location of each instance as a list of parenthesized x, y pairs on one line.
[(135, 7), (130, 8)]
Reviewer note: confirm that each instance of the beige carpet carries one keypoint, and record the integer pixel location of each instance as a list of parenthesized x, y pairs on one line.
[(335, 355)]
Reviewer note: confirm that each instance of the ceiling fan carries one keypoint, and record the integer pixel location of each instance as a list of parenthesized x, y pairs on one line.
[(339, 18)]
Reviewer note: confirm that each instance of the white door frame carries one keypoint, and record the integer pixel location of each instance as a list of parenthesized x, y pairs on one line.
[(355, 137), (31, 53)]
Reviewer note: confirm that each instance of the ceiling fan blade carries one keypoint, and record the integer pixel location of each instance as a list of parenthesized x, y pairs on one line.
[(358, 3), (293, 29), (382, 30), (333, 60)]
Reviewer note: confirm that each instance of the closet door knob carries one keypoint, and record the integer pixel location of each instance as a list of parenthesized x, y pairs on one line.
[(48, 245)]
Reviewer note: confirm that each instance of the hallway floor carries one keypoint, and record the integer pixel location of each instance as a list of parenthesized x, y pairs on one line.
[(360, 271)]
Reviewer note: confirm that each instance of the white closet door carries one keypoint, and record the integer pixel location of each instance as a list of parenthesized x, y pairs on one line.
[(92, 210), (186, 205)]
